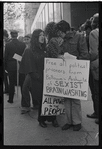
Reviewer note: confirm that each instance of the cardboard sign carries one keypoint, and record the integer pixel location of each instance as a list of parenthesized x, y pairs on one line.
[(17, 57), (66, 78), (52, 105)]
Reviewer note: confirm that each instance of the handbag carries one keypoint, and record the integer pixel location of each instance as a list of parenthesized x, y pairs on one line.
[(95, 69)]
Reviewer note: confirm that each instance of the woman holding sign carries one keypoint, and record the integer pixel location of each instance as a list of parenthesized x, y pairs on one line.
[(53, 50)]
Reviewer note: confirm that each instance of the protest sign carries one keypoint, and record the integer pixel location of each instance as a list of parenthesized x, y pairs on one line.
[(52, 105), (66, 78)]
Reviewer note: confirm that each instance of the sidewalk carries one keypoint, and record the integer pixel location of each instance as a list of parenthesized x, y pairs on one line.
[(25, 130)]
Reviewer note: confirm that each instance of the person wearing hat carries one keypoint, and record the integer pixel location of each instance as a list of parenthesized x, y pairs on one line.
[(11, 48), (75, 44), (94, 64)]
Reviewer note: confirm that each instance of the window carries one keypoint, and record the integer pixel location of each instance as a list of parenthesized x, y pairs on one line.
[(46, 14), (50, 12), (57, 12), (43, 13), (41, 19), (39, 22), (61, 7)]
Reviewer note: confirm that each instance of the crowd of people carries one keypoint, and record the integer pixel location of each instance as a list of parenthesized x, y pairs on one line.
[(52, 42)]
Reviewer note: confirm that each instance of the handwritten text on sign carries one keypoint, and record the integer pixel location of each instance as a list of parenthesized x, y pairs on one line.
[(52, 105), (66, 79)]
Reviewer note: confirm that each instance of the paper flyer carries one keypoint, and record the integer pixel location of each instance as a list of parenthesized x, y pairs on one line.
[(17, 57)]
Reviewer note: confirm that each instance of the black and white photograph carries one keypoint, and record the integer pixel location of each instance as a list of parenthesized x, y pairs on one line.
[(51, 73)]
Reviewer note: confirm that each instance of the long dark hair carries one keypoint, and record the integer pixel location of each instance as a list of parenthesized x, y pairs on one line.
[(35, 45), (50, 30)]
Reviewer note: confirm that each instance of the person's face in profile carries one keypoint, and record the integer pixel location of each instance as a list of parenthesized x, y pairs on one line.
[(41, 37), (61, 34)]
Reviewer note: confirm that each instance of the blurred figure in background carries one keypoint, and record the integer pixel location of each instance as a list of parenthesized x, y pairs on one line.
[(20, 38), (81, 28), (88, 29), (11, 48), (27, 39), (6, 81), (94, 65), (72, 29)]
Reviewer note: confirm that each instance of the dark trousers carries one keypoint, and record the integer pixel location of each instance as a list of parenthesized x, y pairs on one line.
[(28, 87), (6, 83), (91, 85), (21, 80), (12, 81), (96, 91)]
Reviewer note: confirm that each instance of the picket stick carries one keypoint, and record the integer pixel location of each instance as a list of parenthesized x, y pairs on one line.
[(17, 77)]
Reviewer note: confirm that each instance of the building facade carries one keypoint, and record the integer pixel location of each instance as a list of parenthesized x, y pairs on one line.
[(74, 13), (30, 13)]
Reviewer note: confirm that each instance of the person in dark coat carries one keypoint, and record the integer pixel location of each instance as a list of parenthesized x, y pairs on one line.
[(94, 64), (14, 46), (32, 65), (5, 41), (88, 29)]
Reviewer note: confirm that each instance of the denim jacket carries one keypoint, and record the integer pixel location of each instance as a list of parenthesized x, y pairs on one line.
[(75, 44)]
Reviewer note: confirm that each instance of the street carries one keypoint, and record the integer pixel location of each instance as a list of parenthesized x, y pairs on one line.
[(24, 129)]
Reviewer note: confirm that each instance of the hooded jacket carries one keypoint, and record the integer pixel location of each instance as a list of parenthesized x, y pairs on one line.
[(33, 58)]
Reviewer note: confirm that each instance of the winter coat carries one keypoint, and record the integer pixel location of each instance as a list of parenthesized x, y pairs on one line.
[(32, 63), (15, 46), (94, 52)]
